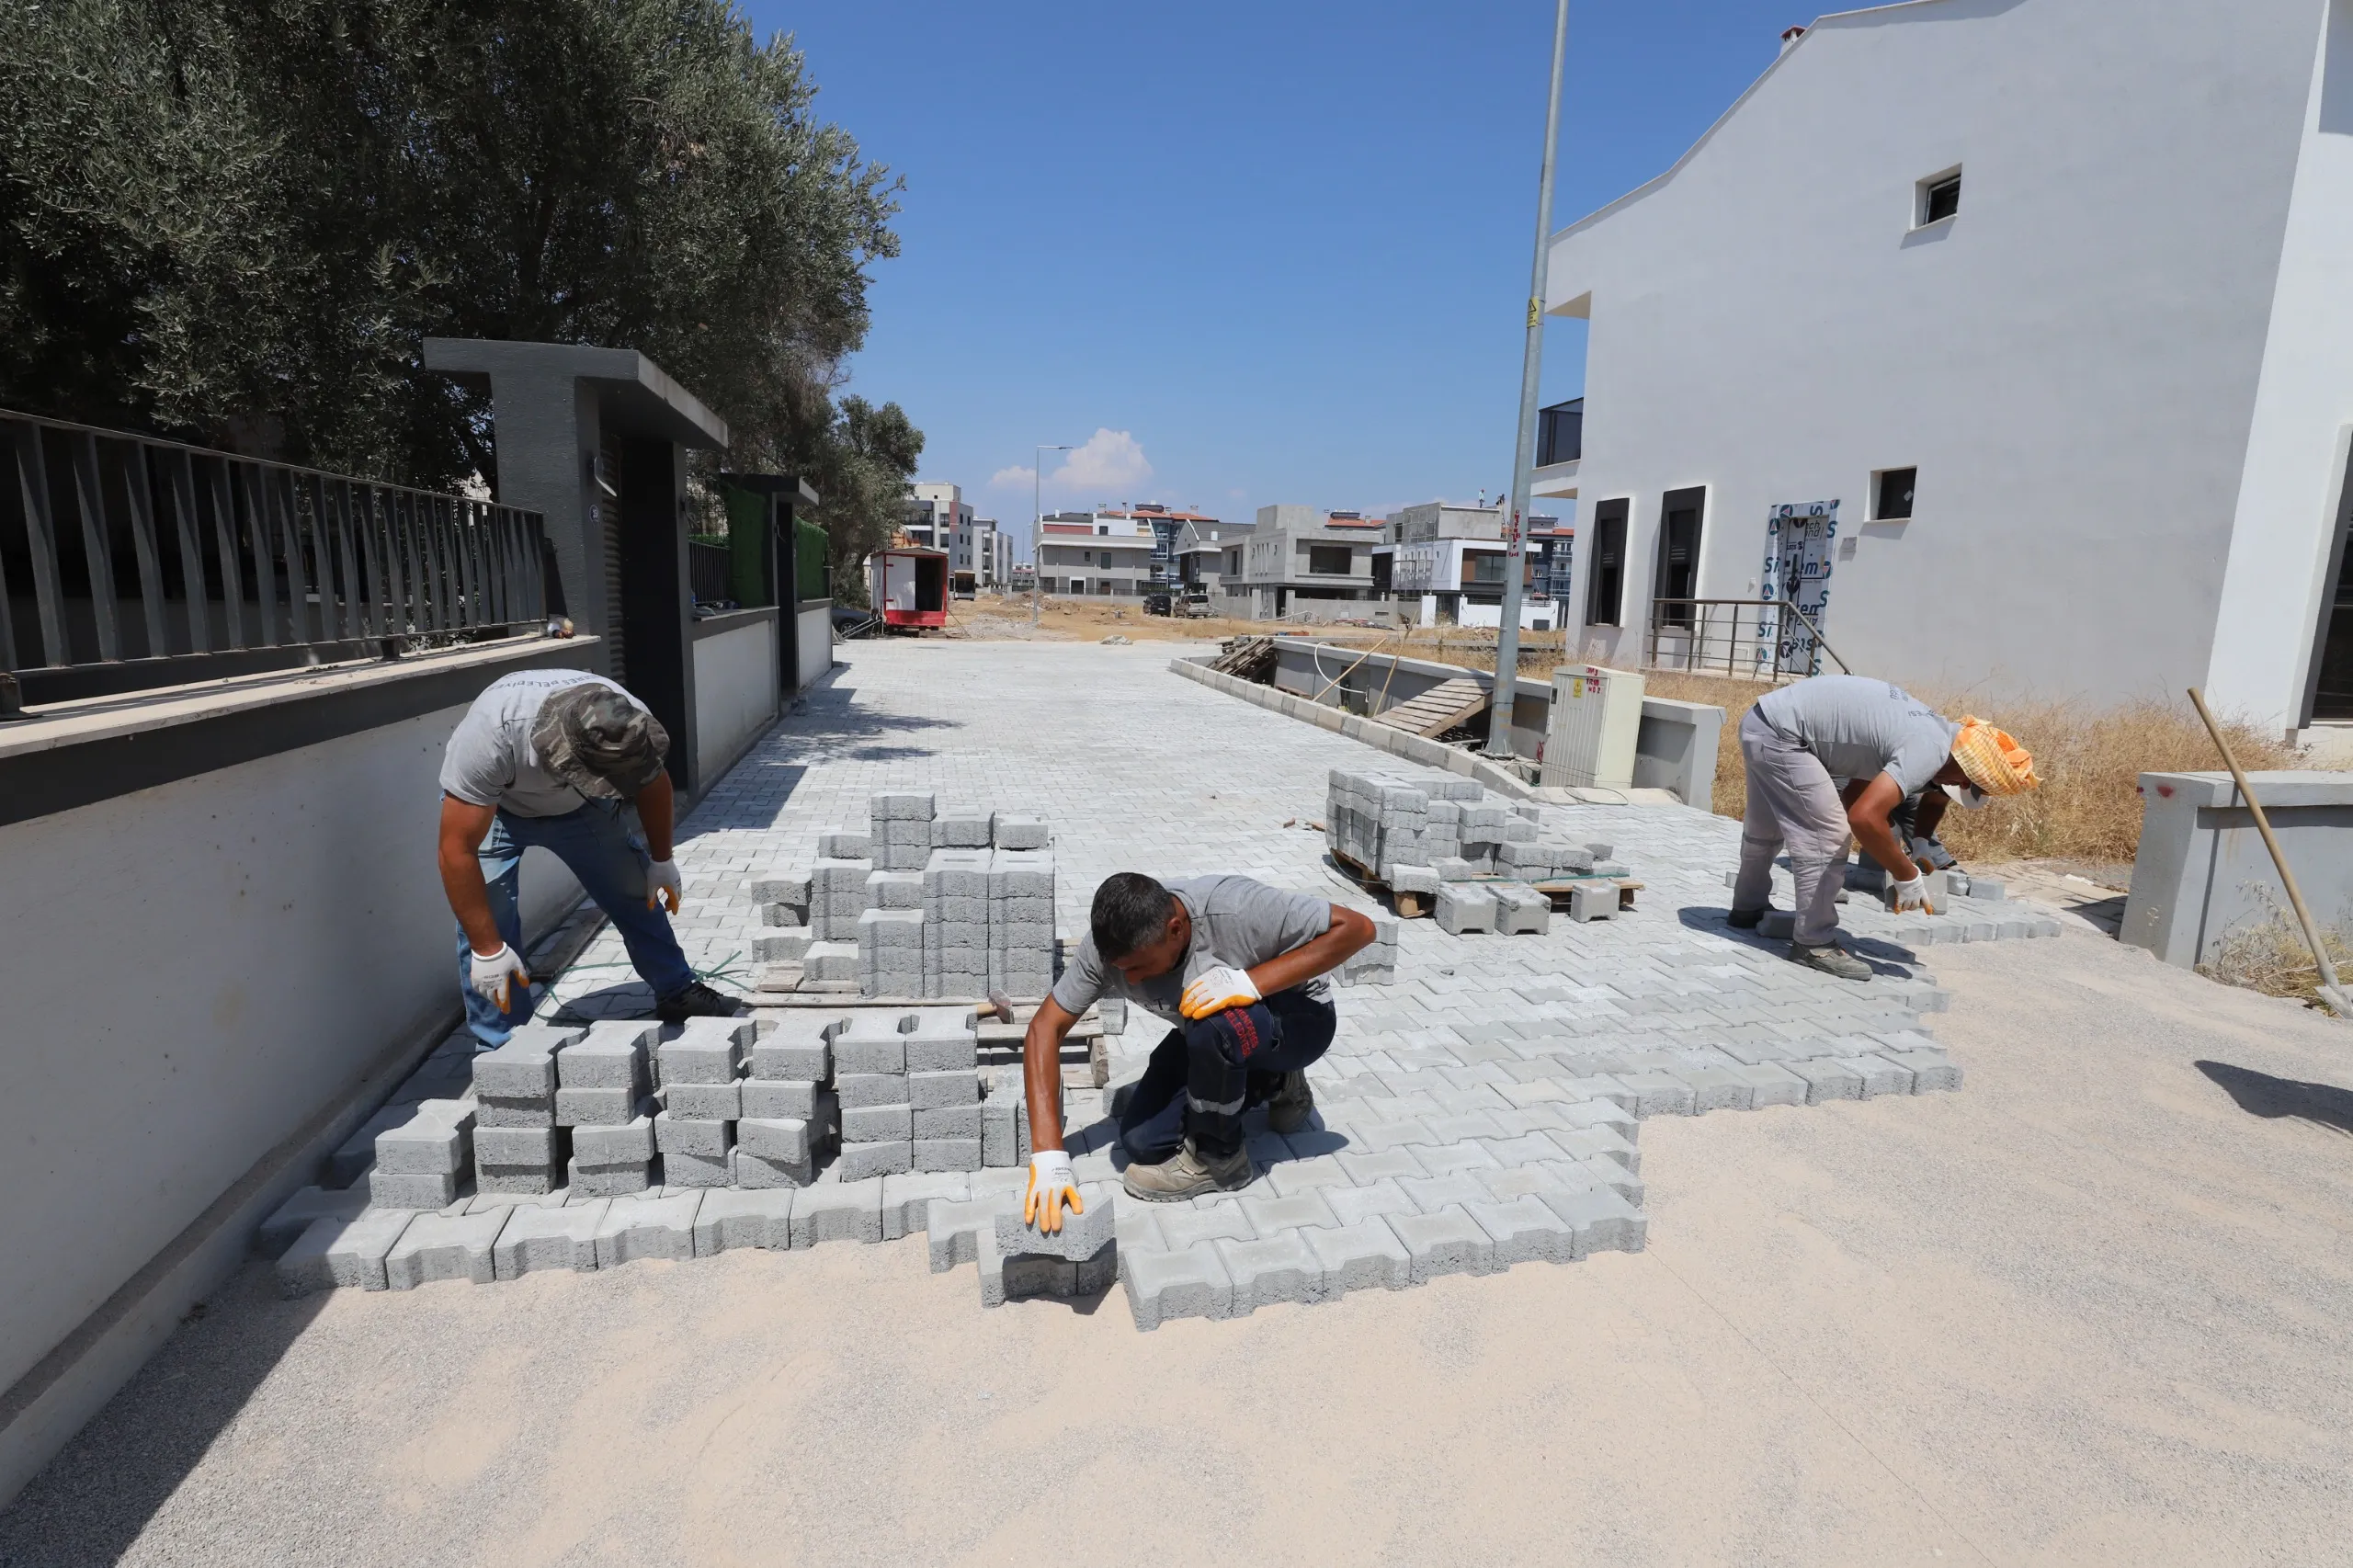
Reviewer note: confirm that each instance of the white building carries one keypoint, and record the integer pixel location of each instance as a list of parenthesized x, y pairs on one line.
[(1101, 554), (2052, 298), (981, 557), (936, 514), (1445, 565)]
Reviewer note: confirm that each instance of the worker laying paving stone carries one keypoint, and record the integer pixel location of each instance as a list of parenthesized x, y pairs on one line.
[(1237, 967)]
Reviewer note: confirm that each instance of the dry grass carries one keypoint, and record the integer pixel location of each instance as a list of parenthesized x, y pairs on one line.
[(2271, 958), (2090, 761)]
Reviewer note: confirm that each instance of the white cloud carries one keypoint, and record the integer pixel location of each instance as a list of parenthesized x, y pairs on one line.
[(1005, 477), (1110, 461)]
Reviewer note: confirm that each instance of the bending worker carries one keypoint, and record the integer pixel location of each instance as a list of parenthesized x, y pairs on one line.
[(1837, 755), (1238, 968), (571, 762)]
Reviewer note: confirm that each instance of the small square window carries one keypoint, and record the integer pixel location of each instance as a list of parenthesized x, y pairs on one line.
[(1892, 494), (1939, 197)]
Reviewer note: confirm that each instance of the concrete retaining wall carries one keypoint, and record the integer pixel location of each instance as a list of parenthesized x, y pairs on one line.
[(813, 625), (2203, 872), (1676, 749), (736, 687)]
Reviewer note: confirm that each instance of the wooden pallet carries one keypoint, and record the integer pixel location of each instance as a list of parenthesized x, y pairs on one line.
[(1439, 709), (1415, 905), (1251, 658), (1408, 905)]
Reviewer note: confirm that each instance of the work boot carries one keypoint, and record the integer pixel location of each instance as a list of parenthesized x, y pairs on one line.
[(1830, 958), (697, 1001), (1189, 1173), (1747, 919), (1292, 1104)]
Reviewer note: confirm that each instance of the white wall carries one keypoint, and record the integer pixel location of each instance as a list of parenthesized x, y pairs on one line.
[(2071, 363), (190, 972), (735, 695), (816, 630), (2276, 586)]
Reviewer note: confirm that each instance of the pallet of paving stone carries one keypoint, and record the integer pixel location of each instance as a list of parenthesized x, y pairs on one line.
[(1560, 889), (1408, 905)]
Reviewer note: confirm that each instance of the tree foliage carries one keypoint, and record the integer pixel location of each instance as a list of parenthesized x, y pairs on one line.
[(238, 219)]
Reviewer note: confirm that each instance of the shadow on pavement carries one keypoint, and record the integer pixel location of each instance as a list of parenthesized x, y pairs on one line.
[(93, 1501), (1891, 959), (2260, 1093)]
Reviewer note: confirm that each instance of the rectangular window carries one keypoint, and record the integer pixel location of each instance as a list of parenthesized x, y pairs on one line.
[(1677, 577), (1605, 580), (1939, 197), (1892, 494), (1328, 560)]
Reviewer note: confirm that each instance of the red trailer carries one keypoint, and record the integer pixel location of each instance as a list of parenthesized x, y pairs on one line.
[(909, 586)]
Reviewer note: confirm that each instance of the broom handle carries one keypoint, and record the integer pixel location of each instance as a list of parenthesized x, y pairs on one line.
[(2263, 826)]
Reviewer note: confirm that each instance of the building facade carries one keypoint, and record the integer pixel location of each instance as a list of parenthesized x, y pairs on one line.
[(2015, 334), (1095, 554), (936, 514), (1302, 562), (980, 559), (1446, 565)]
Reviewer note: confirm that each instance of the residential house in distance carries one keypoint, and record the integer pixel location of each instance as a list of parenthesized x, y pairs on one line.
[(1209, 557), (981, 557), (1096, 553), (2014, 333), (936, 513), (1167, 525), (1303, 563), (1444, 565)]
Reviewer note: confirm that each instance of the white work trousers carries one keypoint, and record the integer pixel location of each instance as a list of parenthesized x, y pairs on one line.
[(1791, 802)]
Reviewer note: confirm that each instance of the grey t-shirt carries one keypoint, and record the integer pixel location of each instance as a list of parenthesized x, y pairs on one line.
[(1236, 922), (1859, 728), (490, 762)]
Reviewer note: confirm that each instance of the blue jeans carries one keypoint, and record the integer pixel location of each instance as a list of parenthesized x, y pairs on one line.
[(601, 848), (1200, 1082)]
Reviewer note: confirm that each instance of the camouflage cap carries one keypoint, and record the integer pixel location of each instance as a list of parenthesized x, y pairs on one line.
[(595, 739)]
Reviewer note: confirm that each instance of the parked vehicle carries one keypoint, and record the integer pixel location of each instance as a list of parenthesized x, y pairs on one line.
[(1196, 605), (1158, 604)]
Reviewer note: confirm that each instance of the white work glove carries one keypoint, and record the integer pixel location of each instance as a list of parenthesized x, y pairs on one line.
[(1052, 1184), (492, 974), (1216, 991), (1912, 895), (662, 882)]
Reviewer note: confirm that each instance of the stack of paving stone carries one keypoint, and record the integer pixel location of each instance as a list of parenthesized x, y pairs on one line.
[(909, 1092), (1004, 1117), (701, 1099), (791, 1114), (420, 1163), (518, 1148), (1375, 963), (604, 1095), (930, 903), (1417, 833)]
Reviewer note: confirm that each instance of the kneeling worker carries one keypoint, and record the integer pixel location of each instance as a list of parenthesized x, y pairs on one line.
[(571, 762), (1238, 968), (1810, 745)]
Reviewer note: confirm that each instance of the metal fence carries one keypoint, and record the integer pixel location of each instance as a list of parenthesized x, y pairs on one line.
[(240, 565), (1745, 639), (710, 570)]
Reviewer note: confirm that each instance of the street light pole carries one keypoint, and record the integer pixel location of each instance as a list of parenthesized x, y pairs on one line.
[(1037, 524), (1524, 458)]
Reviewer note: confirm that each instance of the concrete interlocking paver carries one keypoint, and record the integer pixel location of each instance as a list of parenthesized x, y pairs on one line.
[(1473, 1083)]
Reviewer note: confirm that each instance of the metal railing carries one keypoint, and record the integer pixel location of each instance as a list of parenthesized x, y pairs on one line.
[(241, 565), (1745, 639)]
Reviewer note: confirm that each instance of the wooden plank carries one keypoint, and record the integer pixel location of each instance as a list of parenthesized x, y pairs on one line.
[(1437, 711)]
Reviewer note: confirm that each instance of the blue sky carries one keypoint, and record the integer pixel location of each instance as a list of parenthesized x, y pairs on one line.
[(1242, 253)]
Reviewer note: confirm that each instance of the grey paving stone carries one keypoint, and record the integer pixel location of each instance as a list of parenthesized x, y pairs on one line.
[(492, 1110), (705, 1102), (386, 1190), (690, 1170), (953, 1121), (1447, 1242), (535, 1239), (933, 1090), (1351, 1206), (636, 1228), (877, 1124), (437, 1141), (1166, 1285), (762, 1172), (1524, 1230), (1771, 1084), (677, 1135), (515, 1070), (706, 1051), (733, 1218), (953, 1227), (444, 1246), (907, 1199), (1361, 1256), (857, 1091), (1932, 1070), (1825, 1080), (608, 1181), (1719, 1088), (347, 1254), (631, 1142), (597, 1107), (515, 1181), (1279, 1268), (1081, 1237), (611, 1055), (1294, 1176), (1269, 1212), (947, 1153), (861, 1162), (760, 1099), (290, 1219), (1184, 1224), (1601, 1220), (1879, 1076), (1658, 1094), (514, 1146), (837, 1211)]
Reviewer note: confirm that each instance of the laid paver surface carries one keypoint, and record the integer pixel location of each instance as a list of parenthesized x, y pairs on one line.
[(2087, 1310)]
